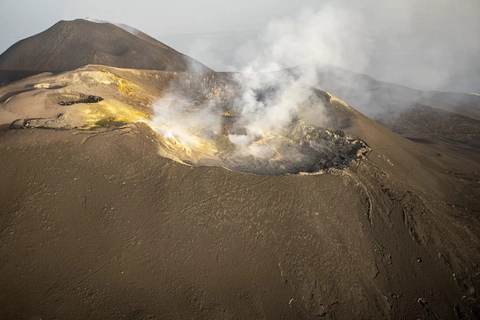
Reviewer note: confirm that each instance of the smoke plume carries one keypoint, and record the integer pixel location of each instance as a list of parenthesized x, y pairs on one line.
[(422, 44), (267, 99)]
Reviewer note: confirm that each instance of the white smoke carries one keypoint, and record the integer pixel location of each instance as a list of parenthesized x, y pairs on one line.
[(268, 98), (174, 118), (330, 36), (422, 44), (305, 41), (272, 113)]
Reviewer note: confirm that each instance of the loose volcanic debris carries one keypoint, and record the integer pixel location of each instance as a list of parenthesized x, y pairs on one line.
[(95, 203), (87, 99), (303, 148)]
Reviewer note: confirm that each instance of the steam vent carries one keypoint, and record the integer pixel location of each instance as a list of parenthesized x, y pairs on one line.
[(216, 134), (133, 187), (199, 121)]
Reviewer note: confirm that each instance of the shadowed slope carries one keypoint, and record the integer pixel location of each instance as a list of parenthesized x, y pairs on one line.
[(97, 222), (395, 105), (69, 45), (103, 227)]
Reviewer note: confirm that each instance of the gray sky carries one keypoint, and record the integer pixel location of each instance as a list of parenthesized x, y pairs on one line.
[(22, 18), (425, 44)]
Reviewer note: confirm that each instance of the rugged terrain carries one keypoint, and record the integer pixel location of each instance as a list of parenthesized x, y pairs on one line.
[(104, 216), (429, 112), (69, 45)]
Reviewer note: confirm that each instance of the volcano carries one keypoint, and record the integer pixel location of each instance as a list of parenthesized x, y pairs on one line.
[(107, 212), (69, 45)]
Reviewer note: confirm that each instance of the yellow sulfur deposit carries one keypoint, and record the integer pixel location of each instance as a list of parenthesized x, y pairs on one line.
[(190, 152), (125, 86), (106, 113)]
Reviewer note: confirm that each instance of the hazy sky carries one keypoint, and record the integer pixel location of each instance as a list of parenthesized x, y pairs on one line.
[(22, 18), (425, 44)]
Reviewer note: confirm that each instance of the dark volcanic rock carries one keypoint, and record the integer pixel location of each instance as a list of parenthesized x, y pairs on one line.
[(83, 99), (395, 105), (69, 45), (425, 120), (101, 224), (98, 225)]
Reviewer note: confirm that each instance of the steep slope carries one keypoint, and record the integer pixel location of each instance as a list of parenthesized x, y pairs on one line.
[(424, 120), (69, 45), (378, 97), (98, 222), (394, 105)]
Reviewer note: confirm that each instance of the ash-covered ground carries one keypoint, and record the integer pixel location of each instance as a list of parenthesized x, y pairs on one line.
[(127, 193)]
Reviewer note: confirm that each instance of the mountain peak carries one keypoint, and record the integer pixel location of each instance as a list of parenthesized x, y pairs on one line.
[(69, 45)]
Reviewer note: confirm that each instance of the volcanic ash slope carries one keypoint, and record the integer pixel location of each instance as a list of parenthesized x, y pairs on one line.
[(95, 223), (69, 45)]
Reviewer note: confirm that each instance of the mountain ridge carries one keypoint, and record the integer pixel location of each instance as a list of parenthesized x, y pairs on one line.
[(69, 45), (107, 210)]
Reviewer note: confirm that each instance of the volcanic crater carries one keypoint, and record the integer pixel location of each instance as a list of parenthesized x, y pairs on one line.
[(199, 122), (97, 204)]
